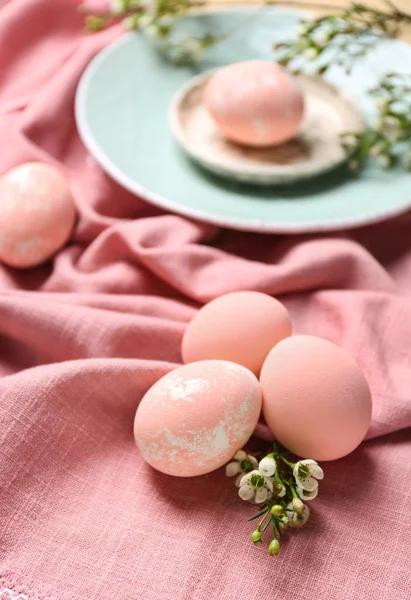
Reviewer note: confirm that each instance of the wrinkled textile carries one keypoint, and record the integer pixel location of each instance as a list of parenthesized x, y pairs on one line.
[(83, 337)]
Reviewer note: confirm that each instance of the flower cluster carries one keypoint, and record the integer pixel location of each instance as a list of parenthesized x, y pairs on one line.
[(155, 19), (342, 38), (388, 140), (279, 486)]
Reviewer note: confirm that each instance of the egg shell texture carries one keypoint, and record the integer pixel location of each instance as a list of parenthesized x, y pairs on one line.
[(37, 214), (194, 419), (255, 103), (241, 327), (316, 400)]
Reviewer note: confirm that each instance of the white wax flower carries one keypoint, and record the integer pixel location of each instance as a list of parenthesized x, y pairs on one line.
[(306, 473), (256, 488), (241, 464)]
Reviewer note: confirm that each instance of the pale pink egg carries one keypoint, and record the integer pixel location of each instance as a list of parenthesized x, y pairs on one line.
[(241, 327), (36, 214), (255, 103), (316, 400), (194, 419)]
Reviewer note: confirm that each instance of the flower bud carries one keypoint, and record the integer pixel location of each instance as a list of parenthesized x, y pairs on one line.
[(274, 547), (298, 506), (277, 510), (268, 466), (311, 53), (284, 524), (256, 536)]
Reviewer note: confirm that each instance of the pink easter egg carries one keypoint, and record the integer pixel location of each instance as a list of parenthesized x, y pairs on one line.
[(255, 103), (316, 400), (37, 214), (194, 419), (241, 327)]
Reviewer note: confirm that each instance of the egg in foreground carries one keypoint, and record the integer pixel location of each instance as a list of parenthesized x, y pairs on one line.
[(255, 103), (37, 214), (194, 419), (316, 400), (241, 327)]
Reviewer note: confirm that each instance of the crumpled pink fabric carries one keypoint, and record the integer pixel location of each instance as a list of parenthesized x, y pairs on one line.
[(83, 337)]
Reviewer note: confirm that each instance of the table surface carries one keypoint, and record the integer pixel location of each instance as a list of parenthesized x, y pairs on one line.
[(324, 6)]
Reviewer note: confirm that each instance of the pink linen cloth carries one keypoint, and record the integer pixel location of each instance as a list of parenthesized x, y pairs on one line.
[(83, 337)]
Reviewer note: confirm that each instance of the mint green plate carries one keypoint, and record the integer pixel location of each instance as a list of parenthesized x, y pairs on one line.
[(122, 109)]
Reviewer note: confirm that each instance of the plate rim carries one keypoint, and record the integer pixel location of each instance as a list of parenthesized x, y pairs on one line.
[(250, 225)]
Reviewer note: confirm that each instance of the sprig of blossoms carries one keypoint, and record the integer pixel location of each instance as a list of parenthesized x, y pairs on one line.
[(342, 38), (388, 139), (279, 486), (155, 19)]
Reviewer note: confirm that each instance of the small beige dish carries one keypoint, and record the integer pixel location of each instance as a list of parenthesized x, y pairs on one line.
[(317, 148)]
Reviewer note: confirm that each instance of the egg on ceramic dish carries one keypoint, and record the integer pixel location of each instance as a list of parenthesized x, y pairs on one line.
[(194, 419), (316, 400), (37, 214), (241, 327), (255, 103)]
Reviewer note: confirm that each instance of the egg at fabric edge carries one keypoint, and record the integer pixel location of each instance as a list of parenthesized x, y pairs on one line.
[(241, 327), (37, 214), (194, 419), (316, 400), (255, 103)]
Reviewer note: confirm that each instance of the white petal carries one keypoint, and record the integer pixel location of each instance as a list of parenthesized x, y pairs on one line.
[(246, 492), (232, 469), (261, 496), (244, 479), (267, 466), (269, 483), (238, 479), (316, 470), (240, 455), (253, 460), (305, 495), (309, 484), (300, 491)]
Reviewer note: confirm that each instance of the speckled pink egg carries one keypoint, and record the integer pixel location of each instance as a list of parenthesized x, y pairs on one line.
[(316, 400), (241, 327), (194, 419), (36, 214), (255, 103)]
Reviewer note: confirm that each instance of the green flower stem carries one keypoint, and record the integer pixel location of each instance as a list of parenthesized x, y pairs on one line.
[(278, 479), (263, 519), (286, 462), (267, 525), (292, 488), (276, 521)]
